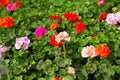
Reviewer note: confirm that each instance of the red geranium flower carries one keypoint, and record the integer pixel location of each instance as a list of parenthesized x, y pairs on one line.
[(4, 3), (56, 78), (102, 51), (7, 22), (103, 16), (53, 42), (54, 26), (94, 35), (71, 17), (80, 26), (18, 3), (56, 17)]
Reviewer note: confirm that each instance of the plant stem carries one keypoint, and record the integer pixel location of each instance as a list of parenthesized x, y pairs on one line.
[(64, 53)]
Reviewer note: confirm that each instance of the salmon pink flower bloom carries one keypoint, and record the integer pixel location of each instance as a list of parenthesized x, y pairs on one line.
[(100, 2), (40, 31), (62, 36), (71, 70), (22, 42), (112, 19), (13, 6), (88, 51), (102, 51)]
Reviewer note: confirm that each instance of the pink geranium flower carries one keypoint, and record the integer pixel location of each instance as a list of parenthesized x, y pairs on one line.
[(22, 42), (62, 36), (100, 2), (71, 70), (13, 6), (3, 49), (118, 28), (118, 16), (112, 19), (40, 31), (88, 51)]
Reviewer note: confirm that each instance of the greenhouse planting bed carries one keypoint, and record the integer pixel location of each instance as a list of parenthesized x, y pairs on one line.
[(59, 40)]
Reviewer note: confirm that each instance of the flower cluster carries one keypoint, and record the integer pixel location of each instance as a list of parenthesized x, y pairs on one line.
[(102, 51), (40, 31), (10, 6), (22, 42), (62, 36), (7, 22), (56, 40), (80, 26), (13, 6), (71, 17), (90, 51), (113, 18), (53, 41), (3, 49)]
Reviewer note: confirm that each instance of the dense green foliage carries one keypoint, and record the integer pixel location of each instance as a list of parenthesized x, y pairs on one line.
[(43, 61)]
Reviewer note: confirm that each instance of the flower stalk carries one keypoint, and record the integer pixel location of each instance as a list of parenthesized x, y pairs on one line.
[(64, 53)]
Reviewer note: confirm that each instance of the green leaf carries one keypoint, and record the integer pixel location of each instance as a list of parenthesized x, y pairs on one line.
[(40, 65), (67, 78)]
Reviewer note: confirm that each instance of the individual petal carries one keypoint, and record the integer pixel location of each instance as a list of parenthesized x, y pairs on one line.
[(118, 28), (25, 46), (0, 55), (18, 44), (26, 40)]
